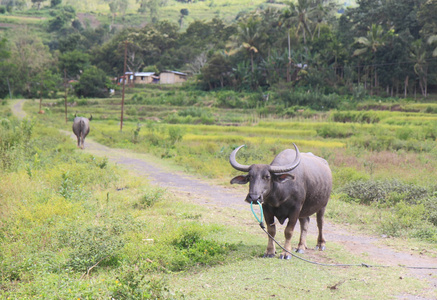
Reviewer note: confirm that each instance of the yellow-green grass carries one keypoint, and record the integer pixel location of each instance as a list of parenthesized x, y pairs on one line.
[(21, 20), (261, 140)]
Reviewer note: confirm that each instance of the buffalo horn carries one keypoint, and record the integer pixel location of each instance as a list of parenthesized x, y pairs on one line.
[(235, 164), (283, 169)]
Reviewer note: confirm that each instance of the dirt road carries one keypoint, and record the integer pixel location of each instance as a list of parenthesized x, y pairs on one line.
[(205, 193)]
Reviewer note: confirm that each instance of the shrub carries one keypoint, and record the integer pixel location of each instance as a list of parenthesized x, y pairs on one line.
[(197, 250), (175, 134), (92, 245), (15, 143), (355, 116), (332, 131), (151, 197), (430, 204), (131, 284), (371, 191)]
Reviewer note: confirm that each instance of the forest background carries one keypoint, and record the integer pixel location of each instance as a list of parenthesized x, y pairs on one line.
[(278, 49)]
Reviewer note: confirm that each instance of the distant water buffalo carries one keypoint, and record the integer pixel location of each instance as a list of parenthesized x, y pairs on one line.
[(81, 128), (294, 186)]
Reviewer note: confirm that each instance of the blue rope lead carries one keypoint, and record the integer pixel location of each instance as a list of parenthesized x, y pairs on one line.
[(260, 219)]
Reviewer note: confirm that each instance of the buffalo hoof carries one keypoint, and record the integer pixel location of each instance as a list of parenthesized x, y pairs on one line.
[(320, 248), (268, 255), (282, 256), (300, 251)]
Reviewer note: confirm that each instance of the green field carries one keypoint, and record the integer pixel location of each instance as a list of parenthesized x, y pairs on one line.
[(74, 226)]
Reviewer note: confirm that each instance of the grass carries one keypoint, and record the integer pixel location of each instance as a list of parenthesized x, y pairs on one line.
[(75, 211), (356, 151), (263, 279)]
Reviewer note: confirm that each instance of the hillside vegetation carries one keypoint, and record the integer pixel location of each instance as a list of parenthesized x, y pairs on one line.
[(277, 49)]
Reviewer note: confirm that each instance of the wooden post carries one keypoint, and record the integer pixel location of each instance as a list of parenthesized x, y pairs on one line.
[(66, 93), (289, 58), (124, 83)]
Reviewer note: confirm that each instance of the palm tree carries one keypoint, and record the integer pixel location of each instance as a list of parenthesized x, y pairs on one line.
[(374, 39), (248, 37), (418, 55), (303, 9), (320, 12), (431, 40)]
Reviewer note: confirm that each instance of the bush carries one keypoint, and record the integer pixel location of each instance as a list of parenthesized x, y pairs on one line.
[(195, 249), (151, 197), (367, 192), (15, 143), (430, 204), (132, 284), (332, 131), (93, 84), (92, 245), (355, 117)]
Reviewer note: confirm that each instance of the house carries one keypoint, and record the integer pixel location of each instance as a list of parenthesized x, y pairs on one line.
[(140, 77), (170, 77)]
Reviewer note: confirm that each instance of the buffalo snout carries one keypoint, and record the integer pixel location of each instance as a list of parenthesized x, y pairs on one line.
[(254, 198)]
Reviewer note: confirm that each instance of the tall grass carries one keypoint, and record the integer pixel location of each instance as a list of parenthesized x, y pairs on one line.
[(66, 217), (74, 226), (359, 145)]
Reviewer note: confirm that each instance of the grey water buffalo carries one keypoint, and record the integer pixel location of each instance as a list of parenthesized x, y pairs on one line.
[(81, 128), (294, 186)]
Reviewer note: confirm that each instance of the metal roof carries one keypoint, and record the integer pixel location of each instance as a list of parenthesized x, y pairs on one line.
[(175, 72), (146, 74)]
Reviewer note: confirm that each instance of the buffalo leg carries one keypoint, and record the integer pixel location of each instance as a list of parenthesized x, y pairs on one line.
[(271, 229), (81, 140), (320, 240), (304, 223), (288, 235)]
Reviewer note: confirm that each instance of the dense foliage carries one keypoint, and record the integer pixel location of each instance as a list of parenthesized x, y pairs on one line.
[(381, 47)]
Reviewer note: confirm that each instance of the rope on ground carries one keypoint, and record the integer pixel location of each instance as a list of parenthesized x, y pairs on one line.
[(261, 224)]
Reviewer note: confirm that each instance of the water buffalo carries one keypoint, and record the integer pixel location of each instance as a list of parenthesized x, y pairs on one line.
[(294, 186), (81, 128)]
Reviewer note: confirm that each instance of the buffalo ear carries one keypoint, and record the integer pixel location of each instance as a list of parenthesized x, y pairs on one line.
[(241, 179), (284, 177)]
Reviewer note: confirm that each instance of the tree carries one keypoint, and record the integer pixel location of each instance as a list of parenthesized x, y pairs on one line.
[(419, 56), (62, 18), (45, 85), (299, 13), (184, 12), (217, 70), (321, 13), (5, 69), (433, 40), (249, 37), (31, 57), (117, 6), (54, 3), (93, 83), (375, 38), (37, 3), (153, 7), (74, 62)]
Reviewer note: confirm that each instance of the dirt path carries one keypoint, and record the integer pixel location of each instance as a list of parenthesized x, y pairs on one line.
[(205, 193)]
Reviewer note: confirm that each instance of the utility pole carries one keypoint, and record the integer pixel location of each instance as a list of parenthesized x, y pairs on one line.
[(124, 84), (66, 93), (289, 58)]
